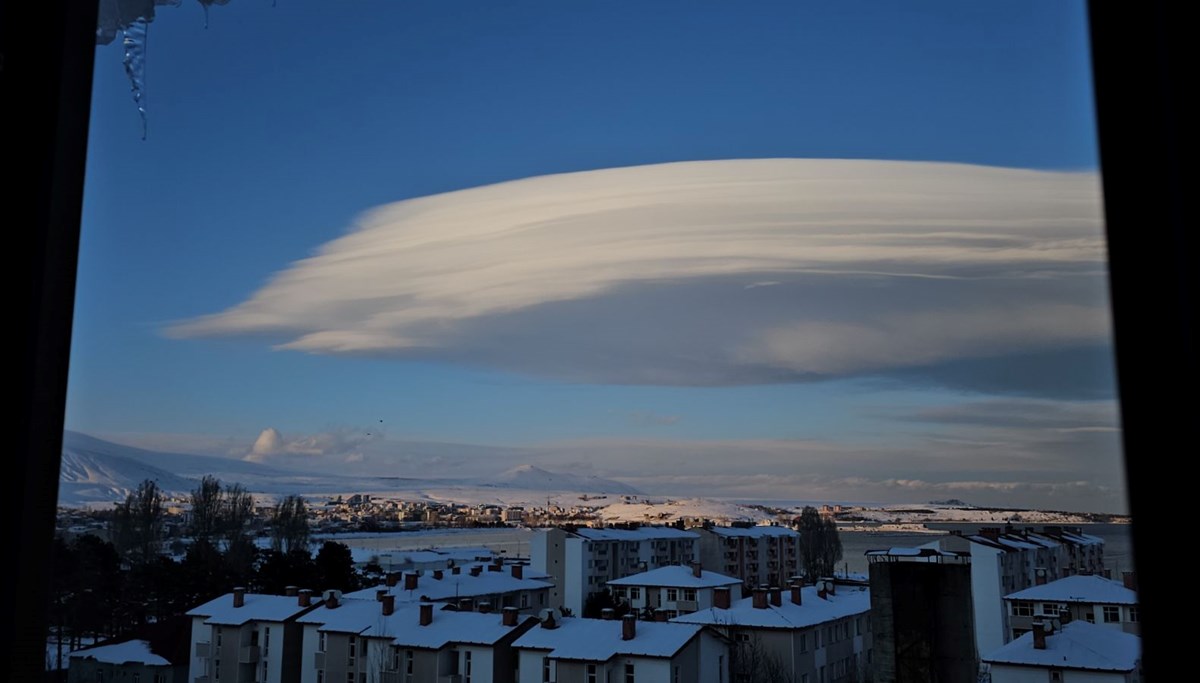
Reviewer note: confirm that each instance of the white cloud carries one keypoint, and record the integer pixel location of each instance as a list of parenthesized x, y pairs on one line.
[(717, 272), (345, 444)]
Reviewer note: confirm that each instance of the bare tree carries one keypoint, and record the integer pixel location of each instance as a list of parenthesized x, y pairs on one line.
[(206, 509), (820, 545), (289, 525), (137, 524)]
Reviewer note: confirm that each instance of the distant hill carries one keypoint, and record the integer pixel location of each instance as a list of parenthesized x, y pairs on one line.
[(532, 478)]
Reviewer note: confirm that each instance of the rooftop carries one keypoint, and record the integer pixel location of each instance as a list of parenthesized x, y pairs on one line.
[(848, 601), (257, 607), (403, 626), (461, 585), (599, 640), (1079, 588), (1079, 645), (677, 576), (120, 653), (645, 533)]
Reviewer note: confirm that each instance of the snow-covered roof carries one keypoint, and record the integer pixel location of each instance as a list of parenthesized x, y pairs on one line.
[(645, 533), (760, 531), (599, 640), (1079, 588), (461, 585), (928, 550), (848, 601), (1079, 645), (676, 576), (439, 555), (403, 626), (137, 651), (257, 607)]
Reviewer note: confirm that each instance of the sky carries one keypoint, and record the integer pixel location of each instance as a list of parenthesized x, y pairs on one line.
[(769, 251)]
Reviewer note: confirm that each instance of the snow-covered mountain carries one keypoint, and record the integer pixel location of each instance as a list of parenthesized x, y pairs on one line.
[(89, 477), (532, 478)]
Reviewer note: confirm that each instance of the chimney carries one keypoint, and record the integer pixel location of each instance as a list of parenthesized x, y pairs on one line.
[(797, 594), (776, 596), (660, 615), (508, 616), (389, 604), (990, 532), (696, 569), (379, 593), (438, 574), (456, 570), (518, 571), (548, 619), (331, 599), (239, 596), (493, 567), (628, 627), (821, 593), (476, 570), (290, 591), (485, 607), (831, 587), (305, 598), (1039, 577), (608, 614), (410, 581), (426, 613), (1130, 580), (721, 597), (392, 579), (760, 598), (465, 605), (1039, 635)]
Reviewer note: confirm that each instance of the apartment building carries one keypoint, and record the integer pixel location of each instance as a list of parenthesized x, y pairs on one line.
[(582, 561), (576, 650), (1081, 597), (1078, 653), (809, 634), (245, 637), (498, 586), (758, 555), (674, 590)]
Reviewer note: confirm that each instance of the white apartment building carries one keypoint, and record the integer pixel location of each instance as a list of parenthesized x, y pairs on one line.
[(758, 555), (812, 634), (675, 590), (583, 561), (1089, 598), (380, 641), (1079, 653), (576, 650), (245, 637)]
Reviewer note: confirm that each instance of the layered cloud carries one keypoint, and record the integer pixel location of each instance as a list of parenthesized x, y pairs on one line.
[(344, 445), (707, 273)]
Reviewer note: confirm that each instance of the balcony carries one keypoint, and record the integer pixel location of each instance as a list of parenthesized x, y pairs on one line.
[(687, 605), (318, 660), (204, 649), (248, 654)]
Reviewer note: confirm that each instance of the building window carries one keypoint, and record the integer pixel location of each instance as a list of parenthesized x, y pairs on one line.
[(467, 666), (804, 642), (689, 594), (349, 677), (672, 595), (675, 674), (524, 600), (618, 592), (1133, 614), (362, 677), (635, 593), (137, 678), (408, 662), (1056, 676), (629, 673), (266, 640), (350, 650), (216, 669), (321, 641), (1112, 614), (160, 678), (1022, 609), (591, 673), (320, 676), (218, 637)]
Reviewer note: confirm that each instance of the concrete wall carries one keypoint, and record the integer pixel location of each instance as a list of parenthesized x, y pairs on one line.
[(1030, 674), (921, 625), (546, 554), (987, 596)]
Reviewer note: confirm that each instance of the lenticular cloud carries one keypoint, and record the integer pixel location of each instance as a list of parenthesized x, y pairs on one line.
[(710, 272)]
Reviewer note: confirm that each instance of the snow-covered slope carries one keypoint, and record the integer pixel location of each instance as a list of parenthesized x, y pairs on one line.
[(531, 478), (88, 478)]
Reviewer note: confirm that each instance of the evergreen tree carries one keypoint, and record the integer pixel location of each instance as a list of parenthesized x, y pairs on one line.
[(335, 568)]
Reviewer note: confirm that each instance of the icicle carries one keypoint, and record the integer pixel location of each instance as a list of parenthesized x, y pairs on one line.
[(135, 64)]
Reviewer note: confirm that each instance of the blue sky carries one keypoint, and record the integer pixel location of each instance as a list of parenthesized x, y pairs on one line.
[(274, 130)]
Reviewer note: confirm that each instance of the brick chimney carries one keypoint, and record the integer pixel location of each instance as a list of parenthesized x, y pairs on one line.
[(485, 607), (660, 615), (438, 574), (990, 532), (760, 598), (305, 597), (518, 571), (721, 597), (410, 581), (1039, 635), (548, 619), (697, 570), (379, 593), (821, 593), (776, 596), (797, 594), (476, 570), (331, 599), (389, 604), (239, 597), (493, 567), (426, 613), (1130, 580), (508, 616), (456, 570), (290, 591), (608, 614), (465, 605), (628, 627), (392, 579)]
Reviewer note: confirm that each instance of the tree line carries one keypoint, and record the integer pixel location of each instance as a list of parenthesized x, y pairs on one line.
[(110, 588)]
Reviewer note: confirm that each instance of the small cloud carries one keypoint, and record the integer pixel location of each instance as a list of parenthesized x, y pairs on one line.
[(271, 444), (767, 283)]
